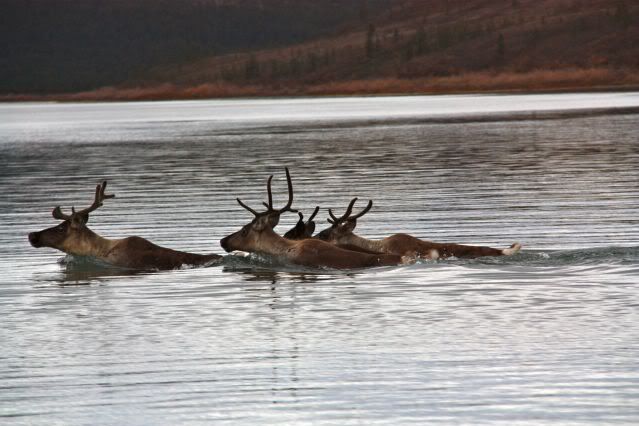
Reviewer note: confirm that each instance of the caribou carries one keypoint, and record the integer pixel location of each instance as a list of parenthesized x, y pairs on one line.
[(341, 232), (258, 236), (72, 236), (304, 230)]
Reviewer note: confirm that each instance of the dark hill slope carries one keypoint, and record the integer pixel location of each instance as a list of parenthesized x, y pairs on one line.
[(51, 46), (431, 39), (343, 47)]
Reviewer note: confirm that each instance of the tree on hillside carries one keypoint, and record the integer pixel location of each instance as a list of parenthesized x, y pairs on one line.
[(421, 41), (363, 10), (294, 65), (370, 41), (534, 36), (622, 16), (311, 61), (396, 36), (407, 53), (251, 68), (501, 47), (443, 37)]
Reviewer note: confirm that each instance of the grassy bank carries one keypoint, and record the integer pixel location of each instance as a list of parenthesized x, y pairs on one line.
[(479, 82)]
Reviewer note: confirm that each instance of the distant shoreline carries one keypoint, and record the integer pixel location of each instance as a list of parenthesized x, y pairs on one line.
[(542, 81)]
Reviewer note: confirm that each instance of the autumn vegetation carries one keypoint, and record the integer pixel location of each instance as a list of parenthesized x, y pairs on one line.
[(415, 46)]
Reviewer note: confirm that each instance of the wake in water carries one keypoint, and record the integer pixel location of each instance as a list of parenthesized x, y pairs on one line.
[(576, 257), (539, 258), (261, 262), (85, 267)]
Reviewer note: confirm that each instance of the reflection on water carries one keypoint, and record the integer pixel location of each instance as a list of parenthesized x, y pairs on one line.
[(548, 336)]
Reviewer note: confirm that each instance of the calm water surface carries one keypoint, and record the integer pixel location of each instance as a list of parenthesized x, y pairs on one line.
[(549, 336)]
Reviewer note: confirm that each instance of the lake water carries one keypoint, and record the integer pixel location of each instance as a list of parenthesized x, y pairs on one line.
[(549, 336)]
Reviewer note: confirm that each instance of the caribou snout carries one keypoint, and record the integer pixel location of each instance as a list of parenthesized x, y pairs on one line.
[(224, 242), (34, 239)]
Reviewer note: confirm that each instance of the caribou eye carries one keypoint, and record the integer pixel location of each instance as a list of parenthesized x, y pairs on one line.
[(244, 232)]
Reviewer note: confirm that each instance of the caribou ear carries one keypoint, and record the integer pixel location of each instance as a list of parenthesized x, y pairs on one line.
[(79, 220), (310, 228), (295, 232)]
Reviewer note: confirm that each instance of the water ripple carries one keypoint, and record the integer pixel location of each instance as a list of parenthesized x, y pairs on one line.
[(544, 337)]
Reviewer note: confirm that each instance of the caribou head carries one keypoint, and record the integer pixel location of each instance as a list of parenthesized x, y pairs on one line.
[(258, 234), (341, 229), (72, 234)]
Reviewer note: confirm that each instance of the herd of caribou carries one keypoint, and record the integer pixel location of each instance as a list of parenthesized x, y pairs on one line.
[(335, 247)]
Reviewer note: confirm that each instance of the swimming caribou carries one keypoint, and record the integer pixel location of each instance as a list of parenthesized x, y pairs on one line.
[(72, 236), (303, 230), (258, 237), (341, 232)]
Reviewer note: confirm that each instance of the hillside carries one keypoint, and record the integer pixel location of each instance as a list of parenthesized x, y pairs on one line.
[(55, 46), (416, 46)]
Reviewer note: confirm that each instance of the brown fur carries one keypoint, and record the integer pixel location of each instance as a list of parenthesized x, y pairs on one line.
[(406, 244), (74, 237), (304, 230), (259, 237), (149, 255), (318, 253), (402, 244), (352, 247)]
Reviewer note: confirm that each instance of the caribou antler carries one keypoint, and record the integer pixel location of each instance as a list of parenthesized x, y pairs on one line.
[(100, 196), (247, 207), (287, 207), (363, 212), (347, 216), (314, 214), (269, 205)]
